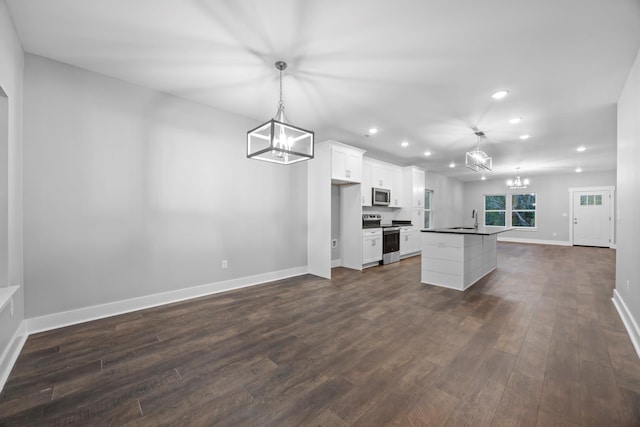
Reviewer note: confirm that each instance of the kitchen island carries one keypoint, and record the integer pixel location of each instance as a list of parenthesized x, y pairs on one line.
[(458, 257)]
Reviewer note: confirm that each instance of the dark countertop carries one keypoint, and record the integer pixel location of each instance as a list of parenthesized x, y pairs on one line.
[(480, 231)]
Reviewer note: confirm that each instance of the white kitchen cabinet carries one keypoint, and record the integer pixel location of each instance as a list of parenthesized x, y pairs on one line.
[(409, 241), (371, 245), (381, 175), (387, 176), (396, 187), (417, 218), (417, 185), (366, 182), (414, 187), (321, 216), (346, 164)]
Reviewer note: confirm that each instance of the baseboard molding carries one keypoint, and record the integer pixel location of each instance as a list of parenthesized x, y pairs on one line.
[(336, 263), (11, 353), (86, 314), (629, 322), (534, 241)]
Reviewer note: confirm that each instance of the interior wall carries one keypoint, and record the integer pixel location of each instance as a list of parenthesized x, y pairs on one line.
[(129, 192), (552, 193), (447, 200), (628, 187), (11, 82)]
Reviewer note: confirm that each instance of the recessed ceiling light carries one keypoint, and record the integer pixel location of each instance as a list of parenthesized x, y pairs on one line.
[(373, 131), (500, 94), (427, 153), (523, 137), (405, 144), (515, 120), (581, 149), (483, 177), (578, 170), (452, 165)]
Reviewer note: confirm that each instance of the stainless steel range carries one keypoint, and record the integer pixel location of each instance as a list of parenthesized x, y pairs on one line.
[(390, 237)]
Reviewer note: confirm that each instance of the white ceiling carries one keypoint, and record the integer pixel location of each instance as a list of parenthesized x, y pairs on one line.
[(422, 71)]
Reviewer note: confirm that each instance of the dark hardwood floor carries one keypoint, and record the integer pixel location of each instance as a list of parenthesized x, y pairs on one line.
[(536, 343)]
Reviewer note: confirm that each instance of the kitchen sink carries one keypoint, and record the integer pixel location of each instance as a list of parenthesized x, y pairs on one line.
[(462, 228)]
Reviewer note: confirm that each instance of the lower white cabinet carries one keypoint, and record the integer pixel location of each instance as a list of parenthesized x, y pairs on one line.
[(409, 241), (371, 245)]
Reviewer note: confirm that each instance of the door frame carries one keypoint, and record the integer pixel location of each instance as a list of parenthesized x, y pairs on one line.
[(612, 210)]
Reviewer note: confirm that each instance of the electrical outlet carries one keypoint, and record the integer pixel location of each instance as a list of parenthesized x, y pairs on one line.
[(225, 264), (334, 243), (555, 234), (11, 304), (627, 284)]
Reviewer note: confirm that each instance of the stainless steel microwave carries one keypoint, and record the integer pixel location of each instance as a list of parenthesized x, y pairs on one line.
[(380, 197)]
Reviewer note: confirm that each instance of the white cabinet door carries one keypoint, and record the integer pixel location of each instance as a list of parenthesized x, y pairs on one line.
[(409, 241), (371, 246), (382, 176), (366, 183), (396, 188), (417, 176), (346, 164)]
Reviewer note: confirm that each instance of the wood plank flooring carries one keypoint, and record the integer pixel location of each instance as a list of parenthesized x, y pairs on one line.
[(536, 343)]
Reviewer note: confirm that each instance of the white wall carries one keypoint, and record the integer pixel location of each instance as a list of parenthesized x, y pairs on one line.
[(628, 187), (552, 194), (11, 81), (447, 201), (129, 192)]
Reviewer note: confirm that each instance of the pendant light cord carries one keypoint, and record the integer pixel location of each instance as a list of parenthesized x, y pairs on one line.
[(281, 114)]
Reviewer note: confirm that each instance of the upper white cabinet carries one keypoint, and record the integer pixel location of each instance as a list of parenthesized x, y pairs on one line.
[(378, 174), (346, 163), (414, 187), (396, 188), (366, 182), (381, 175)]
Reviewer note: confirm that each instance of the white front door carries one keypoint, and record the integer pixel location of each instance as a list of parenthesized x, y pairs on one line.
[(591, 218)]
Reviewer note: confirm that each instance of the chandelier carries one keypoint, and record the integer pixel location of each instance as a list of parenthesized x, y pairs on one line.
[(518, 183), (478, 159), (278, 141)]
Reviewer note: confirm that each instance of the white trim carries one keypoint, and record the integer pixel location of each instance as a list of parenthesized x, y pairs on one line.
[(627, 318), (86, 314), (11, 352), (612, 211), (5, 295), (336, 263), (534, 241)]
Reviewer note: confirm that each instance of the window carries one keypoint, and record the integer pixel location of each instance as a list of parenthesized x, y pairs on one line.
[(523, 210), (591, 200), (495, 207), (427, 208), (519, 210)]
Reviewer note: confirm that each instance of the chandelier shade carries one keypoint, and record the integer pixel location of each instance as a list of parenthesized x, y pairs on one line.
[(276, 140)]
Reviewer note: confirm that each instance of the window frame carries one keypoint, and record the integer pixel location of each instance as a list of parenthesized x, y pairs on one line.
[(508, 211), (428, 213), (484, 210)]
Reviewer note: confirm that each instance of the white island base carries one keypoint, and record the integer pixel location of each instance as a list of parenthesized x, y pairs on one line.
[(457, 260)]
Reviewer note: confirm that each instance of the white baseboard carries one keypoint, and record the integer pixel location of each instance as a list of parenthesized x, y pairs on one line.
[(86, 314), (11, 353), (336, 263), (627, 318), (534, 241)]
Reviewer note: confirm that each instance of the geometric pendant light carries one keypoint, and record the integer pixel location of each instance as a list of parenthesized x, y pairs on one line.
[(478, 159), (278, 141)]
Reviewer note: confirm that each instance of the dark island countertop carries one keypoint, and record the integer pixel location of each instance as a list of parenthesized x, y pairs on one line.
[(480, 231)]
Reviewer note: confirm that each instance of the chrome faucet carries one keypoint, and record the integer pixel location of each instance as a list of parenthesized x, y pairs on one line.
[(474, 214)]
